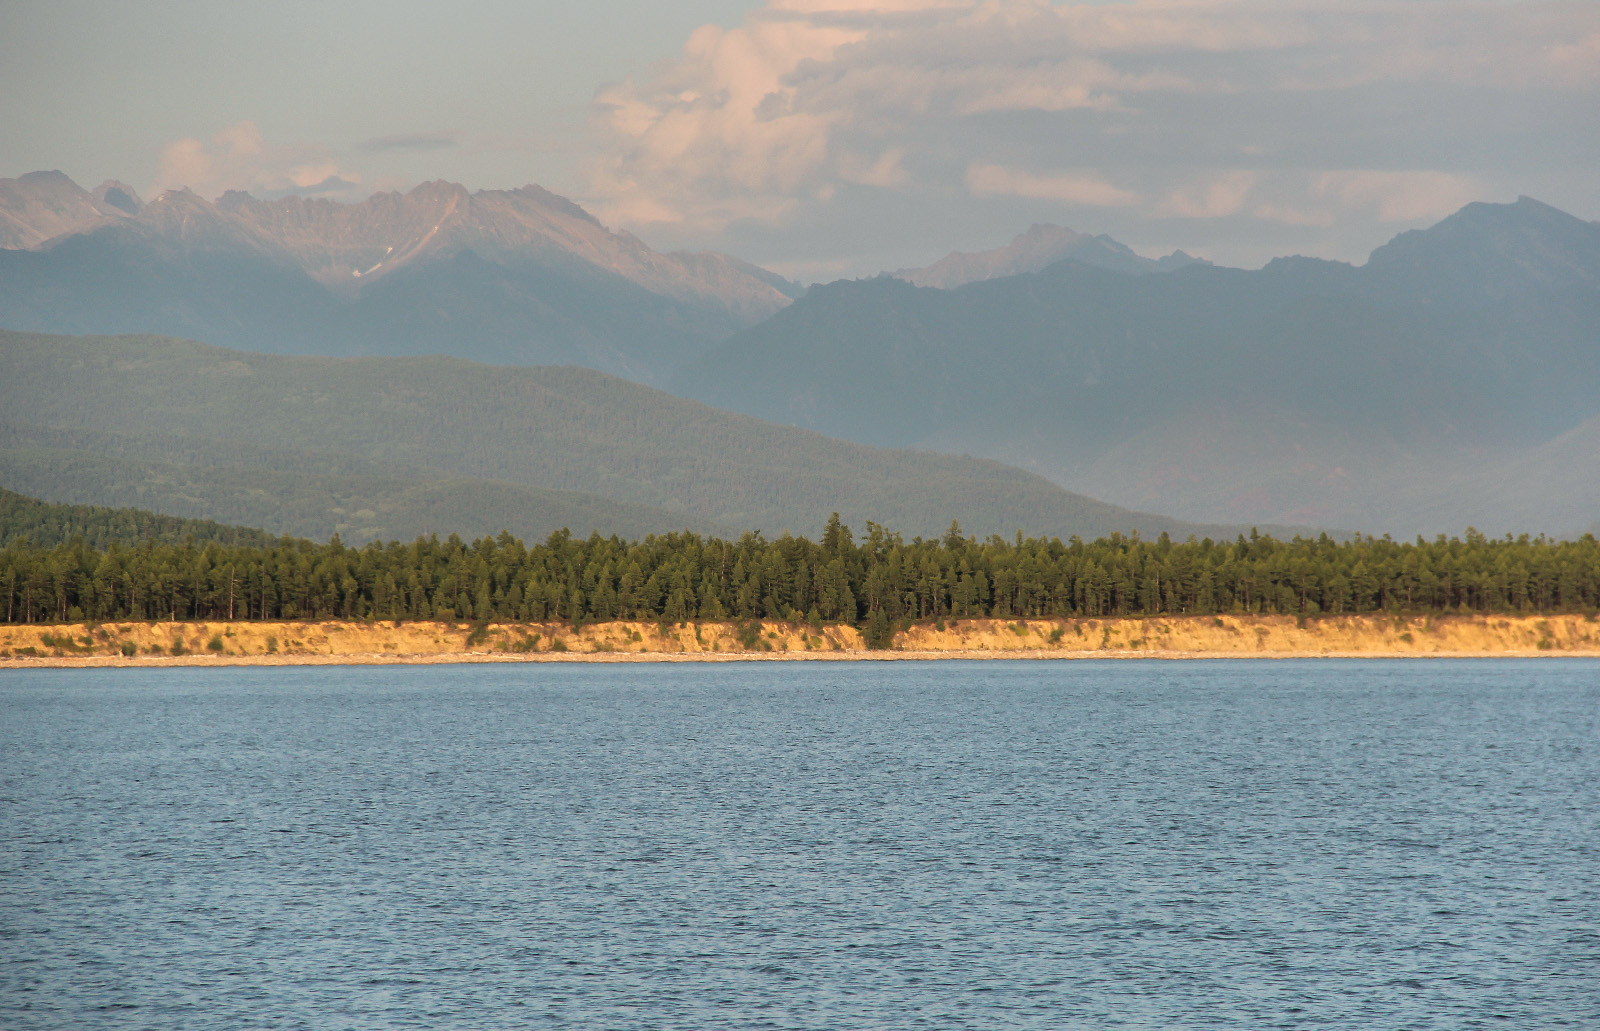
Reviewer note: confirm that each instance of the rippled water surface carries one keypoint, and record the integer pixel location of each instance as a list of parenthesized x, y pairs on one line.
[(803, 845)]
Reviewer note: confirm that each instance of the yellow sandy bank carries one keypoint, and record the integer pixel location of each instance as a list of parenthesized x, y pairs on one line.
[(208, 644)]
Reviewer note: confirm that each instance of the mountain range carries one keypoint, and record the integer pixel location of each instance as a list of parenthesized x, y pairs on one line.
[(1452, 380), (512, 276)]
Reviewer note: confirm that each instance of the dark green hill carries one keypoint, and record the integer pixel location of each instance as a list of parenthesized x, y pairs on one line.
[(317, 503), (45, 525), (259, 438)]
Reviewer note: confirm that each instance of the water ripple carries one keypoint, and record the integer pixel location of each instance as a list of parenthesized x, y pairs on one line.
[(952, 845)]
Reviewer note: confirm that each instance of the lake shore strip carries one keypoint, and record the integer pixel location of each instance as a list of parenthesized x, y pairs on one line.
[(1167, 637)]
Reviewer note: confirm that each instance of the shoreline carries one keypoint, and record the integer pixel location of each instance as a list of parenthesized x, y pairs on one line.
[(479, 659), (1175, 638)]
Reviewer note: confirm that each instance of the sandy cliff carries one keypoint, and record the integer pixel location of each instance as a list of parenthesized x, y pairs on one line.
[(1174, 637)]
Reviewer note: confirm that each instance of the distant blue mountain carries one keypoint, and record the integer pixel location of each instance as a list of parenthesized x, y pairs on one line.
[(1413, 393)]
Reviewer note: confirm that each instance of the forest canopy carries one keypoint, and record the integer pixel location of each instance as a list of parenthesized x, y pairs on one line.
[(42, 523), (877, 580)]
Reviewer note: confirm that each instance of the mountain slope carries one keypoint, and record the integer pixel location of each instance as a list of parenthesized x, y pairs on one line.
[(176, 266), (1035, 250), (40, 206), (45, 525), (349, 246), (317, 504), (512, 276), (424, 420), (1489, 251), (1369, 397)]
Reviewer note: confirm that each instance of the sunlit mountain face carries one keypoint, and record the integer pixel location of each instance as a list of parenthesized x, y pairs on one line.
[(514, 276)]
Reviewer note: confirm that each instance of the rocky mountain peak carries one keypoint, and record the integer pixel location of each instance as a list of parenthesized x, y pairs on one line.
[(39, 206), (540, 195), (1491, 250), (180, 224), (118, 196), (1040, 247), (514, 275)]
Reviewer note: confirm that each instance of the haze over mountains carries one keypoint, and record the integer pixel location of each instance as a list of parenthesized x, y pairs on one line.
[(393, 447), (1452, 380), (511, 276)]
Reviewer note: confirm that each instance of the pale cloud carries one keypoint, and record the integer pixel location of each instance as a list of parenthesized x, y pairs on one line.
[(444, 139), (1324, 198), (1306, 217), (886, 170), (238, 157), (719, 136), (834, 7), (1577, 62), (1221, 196), (1300, 114), (1398, 196), (993, 180)]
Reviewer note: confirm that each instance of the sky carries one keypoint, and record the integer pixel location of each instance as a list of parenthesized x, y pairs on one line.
[(829, 138)]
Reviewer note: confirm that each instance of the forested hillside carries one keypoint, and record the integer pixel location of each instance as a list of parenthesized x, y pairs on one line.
[(878, 581), (317, 497), (254, 438), (43, 525)]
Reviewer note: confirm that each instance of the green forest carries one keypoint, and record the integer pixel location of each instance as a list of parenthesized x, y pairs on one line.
[(877, 580), (28, 519)]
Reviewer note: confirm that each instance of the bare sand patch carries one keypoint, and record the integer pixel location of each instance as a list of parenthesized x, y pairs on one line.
[(1175, 637)]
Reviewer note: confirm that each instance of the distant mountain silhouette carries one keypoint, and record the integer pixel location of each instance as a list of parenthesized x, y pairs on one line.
[(1454, 379), (1489, 251), (1035, 250), (511, 276)]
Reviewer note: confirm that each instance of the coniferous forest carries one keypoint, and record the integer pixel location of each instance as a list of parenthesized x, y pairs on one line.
[(28, 519), (876, 581)]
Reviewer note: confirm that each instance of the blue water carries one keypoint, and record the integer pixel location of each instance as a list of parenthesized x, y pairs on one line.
[(1401, 844)]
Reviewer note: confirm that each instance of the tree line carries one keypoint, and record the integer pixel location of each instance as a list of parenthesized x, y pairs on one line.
[(875, 581)]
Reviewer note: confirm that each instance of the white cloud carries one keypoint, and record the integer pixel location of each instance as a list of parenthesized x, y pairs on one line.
[(1164, 109), (1324, 198), (239, 158), (718, 136)]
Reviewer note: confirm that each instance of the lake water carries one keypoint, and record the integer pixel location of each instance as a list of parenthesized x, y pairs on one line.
[(1339, 844)]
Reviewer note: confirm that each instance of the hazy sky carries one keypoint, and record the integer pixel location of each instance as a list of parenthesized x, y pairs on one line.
[(840, 137)]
